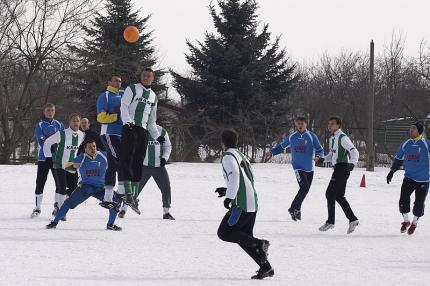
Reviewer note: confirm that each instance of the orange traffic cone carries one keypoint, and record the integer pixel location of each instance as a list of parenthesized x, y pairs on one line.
[(363, 181)]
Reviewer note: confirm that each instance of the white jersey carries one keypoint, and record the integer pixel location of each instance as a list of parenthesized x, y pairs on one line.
[(139, 106), (68, 142), (156, 151), (342, 150), (239, 179)]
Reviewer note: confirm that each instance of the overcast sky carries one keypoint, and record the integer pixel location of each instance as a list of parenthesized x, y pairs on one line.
[(308, 27)]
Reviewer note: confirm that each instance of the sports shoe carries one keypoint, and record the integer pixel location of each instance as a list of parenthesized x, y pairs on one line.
[(168, 216), (264, 272), (113, 227), (51, 225), (352, 226), (35, 213), (133, 204), (121, 214), (405, 226), (412, 228), (326, 227), (292, 214), (109, 205)]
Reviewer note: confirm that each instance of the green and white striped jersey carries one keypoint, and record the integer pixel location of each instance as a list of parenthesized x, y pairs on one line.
[(239, 179), (342, 150), (139, 106), (156, 151), (68, 142)]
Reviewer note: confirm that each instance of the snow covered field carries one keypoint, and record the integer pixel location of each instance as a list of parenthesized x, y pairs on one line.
[(150, 251)]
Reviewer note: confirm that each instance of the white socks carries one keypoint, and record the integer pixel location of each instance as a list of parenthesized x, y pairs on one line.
[(405, 217), (39, 201), (415, 221), (121, 189), (166, 210), (61, 199), (108, 194)]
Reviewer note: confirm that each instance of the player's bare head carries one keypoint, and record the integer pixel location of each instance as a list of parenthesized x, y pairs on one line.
[(334, 123), (74, 121), (85, 124), (115, 81), (90, 147), (49, 110), (229, 138), (416, 129), (301, 123), (147, 76)]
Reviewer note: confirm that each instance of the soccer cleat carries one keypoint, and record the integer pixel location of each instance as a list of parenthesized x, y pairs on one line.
[(326, 227), (51, 225), (292, 213), (263, 273), (352, 226), (121, 214), (54, 212), (405, 226), (412, 228), (108, 205), (35, 213), (298, 214), (168, 216), (113, 227)]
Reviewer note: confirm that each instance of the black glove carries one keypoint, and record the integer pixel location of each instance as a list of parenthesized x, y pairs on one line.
[(221, 191), (390, 177), (161, 139), (128, 126), (350, 167), (163, 162), (227, 203)]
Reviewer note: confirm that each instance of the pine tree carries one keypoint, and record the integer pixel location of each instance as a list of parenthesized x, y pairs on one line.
[(105, 52), (239, 78)]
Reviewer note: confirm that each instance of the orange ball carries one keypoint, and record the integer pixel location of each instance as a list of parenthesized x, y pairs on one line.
[(131, 34)]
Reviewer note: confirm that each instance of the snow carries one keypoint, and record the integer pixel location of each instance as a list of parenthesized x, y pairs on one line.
[(151, 251)]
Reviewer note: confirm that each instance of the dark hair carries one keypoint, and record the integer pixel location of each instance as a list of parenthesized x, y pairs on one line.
[(148, 69), (74, 115), (89, 141), (114, 75), (419, 126), (229, 138), (50, 105), (302, 118), (337, 119)]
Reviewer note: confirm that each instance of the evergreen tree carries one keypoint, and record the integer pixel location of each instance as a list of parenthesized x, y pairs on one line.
[(105, 52), (239, 78)]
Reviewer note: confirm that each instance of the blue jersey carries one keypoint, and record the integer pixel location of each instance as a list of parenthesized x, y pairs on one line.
[(92, 170), (108, 111), (416, 159), (304, 147), (45, 128)]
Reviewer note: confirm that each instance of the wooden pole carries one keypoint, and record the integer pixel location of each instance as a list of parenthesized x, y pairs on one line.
[(370, 146)]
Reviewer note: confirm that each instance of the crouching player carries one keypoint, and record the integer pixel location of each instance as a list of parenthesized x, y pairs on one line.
[(92, 169)]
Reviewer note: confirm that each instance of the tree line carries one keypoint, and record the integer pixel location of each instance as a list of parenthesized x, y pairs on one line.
[(63, 51)]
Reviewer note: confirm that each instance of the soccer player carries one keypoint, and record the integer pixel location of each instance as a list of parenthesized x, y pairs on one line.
[(414, 153), (45, 128), (305, 148), (157, 155), (138, 114), (92, 169), (108, 115), (90, 135), (242, 203), (68, 142), (343, 156)]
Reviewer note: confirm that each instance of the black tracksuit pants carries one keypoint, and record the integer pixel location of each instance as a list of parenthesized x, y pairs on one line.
[(134, 142), (336, 193), (408, 187), (65, 182), (112, 144), (43, 168), (305, 181), (161, 178), (242, 234)]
